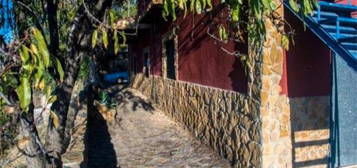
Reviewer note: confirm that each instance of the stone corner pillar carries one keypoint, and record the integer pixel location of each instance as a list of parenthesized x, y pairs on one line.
[(274, 104)]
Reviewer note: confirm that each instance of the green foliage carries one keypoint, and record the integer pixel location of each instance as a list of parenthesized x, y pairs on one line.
[(105, 99), (94, 38), (126, 9), (222, 33), (305, 7), (41, 45), (105, 38), (256, 10), (285, 41), (197, 6), (84, 69), (59, 69), (24, 92), (245, 17), (116, 42), (34, 72)]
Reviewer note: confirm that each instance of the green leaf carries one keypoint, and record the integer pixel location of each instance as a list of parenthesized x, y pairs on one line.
[(273, 5), (116, 42), (198, 6), (192, 5), (265, 3), (105, 38), (294, 5), (25, 58), (203, 4), (24, 54), (122, 33), (222, 33), (94, 38), (55, 119), (235, 14), (59, 69), (52, 99), (285, 42), (38, 76), (111, 17), (42, 47), (34, 49), (24, 92), (181, 4), (209, 4), (165, 12), (48, 91), (172, 8)]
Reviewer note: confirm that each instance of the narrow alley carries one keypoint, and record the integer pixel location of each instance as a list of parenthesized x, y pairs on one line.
[(136, 135)]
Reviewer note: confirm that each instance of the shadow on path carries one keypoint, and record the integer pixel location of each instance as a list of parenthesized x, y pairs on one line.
[(99, 150)]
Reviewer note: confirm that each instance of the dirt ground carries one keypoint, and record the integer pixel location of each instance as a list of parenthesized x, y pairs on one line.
[(140, 136)]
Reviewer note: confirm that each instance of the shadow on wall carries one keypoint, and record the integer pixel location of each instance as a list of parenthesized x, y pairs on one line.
[(310, 130)]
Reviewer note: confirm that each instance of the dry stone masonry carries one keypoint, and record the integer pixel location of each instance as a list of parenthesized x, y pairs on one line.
[(227, 121)]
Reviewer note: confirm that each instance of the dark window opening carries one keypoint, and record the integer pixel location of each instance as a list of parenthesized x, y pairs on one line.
[(146, 64), (170, 59)]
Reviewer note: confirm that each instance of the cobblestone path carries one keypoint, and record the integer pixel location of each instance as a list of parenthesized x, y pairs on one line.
[(142, 137)]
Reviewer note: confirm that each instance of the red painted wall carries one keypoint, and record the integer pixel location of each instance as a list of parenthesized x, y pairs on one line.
[(307, 63), (200, 58)]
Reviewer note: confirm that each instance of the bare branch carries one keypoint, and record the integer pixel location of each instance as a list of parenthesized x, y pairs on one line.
[(7, 101), (101, 24), (235, 53)]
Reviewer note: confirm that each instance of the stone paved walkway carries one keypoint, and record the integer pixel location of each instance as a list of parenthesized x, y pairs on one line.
[(142, 137)]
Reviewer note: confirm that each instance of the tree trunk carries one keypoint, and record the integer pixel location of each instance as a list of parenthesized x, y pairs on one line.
[(57, 139), (35, 152), (52, 6)]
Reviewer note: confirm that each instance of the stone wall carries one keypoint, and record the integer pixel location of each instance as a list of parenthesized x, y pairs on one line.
[(275, 110), (226, 121)]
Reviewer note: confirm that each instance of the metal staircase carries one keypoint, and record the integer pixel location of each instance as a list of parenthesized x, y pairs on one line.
[(334, 25)]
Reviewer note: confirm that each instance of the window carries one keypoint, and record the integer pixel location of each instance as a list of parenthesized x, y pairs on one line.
[(146, 62), (169, 59)]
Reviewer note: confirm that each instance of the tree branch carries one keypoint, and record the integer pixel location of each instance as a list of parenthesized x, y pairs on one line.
[(96, 20), (34, 16), (53, 26), (7, 101)]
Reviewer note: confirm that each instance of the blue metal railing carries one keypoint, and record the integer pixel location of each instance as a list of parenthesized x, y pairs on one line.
[(333, 24)]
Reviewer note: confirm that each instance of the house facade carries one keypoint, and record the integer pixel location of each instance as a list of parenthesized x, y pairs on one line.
[(277, 115)]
